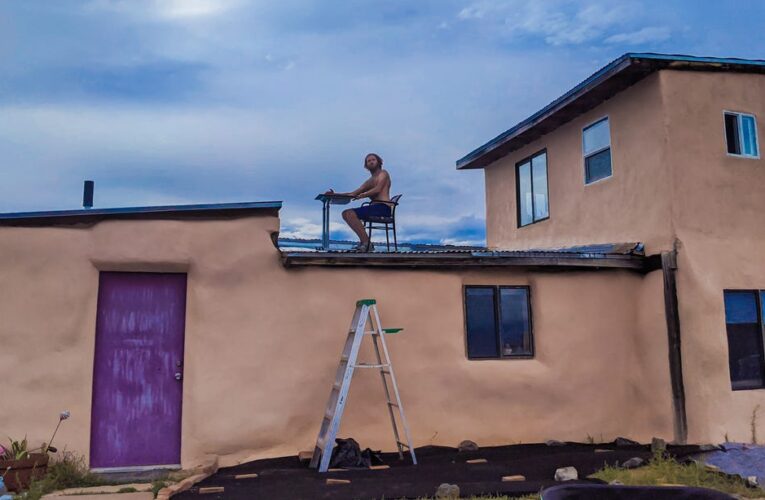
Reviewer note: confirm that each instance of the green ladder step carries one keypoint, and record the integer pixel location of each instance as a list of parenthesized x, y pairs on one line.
[(366, 302)]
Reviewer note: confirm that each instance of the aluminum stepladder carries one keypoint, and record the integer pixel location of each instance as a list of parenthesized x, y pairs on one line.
[(365, 314)]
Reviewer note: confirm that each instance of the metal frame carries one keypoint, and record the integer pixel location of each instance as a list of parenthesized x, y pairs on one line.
[(758, 301), (593, 153), (739, 126), (386, 226), (530, 159), (498, 319)]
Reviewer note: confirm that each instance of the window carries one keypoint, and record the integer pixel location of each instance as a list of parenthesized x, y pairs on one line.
[(531, 187), (741, 134), (498, 322), (596, 145), (744, 324)]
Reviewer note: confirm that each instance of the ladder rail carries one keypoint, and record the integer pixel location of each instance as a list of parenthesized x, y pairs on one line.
[(387, 397), (395, 387)]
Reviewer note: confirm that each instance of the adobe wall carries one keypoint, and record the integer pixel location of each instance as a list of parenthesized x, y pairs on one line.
[(631, 206), (717, 212), (263, 342)]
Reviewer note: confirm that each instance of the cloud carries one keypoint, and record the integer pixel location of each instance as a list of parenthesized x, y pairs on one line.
[(172, 10), (645, 35)]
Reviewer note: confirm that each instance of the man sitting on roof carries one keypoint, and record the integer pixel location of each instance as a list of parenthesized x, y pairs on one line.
[(377, 189)]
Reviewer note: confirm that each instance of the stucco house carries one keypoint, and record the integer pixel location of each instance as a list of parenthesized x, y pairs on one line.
[(618, 295)]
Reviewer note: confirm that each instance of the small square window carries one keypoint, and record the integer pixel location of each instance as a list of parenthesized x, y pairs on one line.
[(531, 189), (741, 134), (498, 322), (596, 146)]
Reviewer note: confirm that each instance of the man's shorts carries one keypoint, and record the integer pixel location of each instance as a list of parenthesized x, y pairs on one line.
[(373, 210)]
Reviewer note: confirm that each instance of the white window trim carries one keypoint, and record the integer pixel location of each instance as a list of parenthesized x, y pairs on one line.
[(584, 156), (739, 123)]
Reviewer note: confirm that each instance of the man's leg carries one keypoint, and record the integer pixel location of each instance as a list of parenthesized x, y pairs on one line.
[(353, 221)]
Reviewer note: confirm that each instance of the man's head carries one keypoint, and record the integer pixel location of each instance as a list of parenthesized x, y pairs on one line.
[(372, 162)]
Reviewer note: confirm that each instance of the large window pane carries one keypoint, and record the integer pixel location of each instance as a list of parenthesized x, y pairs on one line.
[(539, 173), (749, 137), (731, 134), (481, 323), (524, 194), (745, 349), (598, 166), (596, 137), (515, 327)]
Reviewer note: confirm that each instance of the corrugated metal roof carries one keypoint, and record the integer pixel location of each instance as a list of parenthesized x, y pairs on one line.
[(629, 68), (162, 211)]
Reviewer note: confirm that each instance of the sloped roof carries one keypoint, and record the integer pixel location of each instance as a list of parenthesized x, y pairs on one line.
[(601, 85)]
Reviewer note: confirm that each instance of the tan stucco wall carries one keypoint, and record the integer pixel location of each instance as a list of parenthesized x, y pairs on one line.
[(262, 344), (630, 206), (718, 208)]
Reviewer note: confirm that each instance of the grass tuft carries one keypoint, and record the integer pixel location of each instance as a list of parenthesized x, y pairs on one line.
[(156, 486), (66, 471), (664, 470)]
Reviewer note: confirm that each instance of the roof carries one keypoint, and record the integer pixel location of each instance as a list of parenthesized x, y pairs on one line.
[(93, 215), (603, 84), (602, 256)]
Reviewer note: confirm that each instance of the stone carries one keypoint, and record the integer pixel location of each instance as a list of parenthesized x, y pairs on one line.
[(616, 482), (338, 481), (658, 445), (711, 468), (554, 442), (517, 477), (710, 447), (752, 481), (246, 476), (476, 461), (602, 450), (379, 467), (566, 474), (211, 489), (633, 463), (467, 445), (622, 441), (305, 456), (448, 491)]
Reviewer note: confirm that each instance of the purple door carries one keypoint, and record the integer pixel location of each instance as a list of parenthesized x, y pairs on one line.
[(138, 370)]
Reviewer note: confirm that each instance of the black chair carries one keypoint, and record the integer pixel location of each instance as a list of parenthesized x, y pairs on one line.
[(386, 223)]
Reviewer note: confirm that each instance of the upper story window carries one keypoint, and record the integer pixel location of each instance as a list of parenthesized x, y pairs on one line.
[(596, 145), (741, 134), (498, 322), (745, 328), (531, 187)]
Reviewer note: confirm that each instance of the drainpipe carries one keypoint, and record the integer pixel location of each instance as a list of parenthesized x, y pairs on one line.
[(669, 270)]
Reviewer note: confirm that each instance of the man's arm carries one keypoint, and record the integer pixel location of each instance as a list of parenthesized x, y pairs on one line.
[(375, 188), (368, 184)]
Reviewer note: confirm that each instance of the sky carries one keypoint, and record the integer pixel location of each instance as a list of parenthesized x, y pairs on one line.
[(213, 101)]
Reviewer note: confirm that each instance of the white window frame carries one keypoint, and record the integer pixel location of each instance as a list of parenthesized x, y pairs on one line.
[(739, 123), (585, 156)]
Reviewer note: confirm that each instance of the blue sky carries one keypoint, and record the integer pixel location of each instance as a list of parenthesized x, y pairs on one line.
[(204, 101)]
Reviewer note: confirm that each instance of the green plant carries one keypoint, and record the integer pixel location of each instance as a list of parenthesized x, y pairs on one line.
[(67, 471), (127, 489), (156, 486), (17, 451)]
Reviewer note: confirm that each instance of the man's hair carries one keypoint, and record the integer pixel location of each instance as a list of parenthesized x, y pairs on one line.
[(379, 159)]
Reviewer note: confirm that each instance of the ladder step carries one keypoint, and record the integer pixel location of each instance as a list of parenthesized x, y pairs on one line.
[(370, 365), (387, 372), (391, 403), (403, 444)]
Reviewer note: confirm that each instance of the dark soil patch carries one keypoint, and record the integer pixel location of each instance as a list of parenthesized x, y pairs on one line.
[(286, 477)]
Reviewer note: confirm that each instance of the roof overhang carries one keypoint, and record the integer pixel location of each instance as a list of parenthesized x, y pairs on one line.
[(604, 84), (93, 215)]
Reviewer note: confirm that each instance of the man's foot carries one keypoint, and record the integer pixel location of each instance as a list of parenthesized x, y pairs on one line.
[(364, 247)]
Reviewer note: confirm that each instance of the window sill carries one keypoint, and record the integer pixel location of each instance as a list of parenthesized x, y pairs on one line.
[(745, 157), (535, 222)]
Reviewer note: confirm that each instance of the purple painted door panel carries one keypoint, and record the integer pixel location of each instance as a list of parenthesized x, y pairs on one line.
[(136, 418)]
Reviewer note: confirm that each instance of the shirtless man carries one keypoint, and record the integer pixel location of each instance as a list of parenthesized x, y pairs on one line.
[(377, 189)]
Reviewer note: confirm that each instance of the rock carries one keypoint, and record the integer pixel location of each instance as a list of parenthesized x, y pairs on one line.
[(658, 445), (553, 442), (711, 468), (516, 477), (448, 491), (622, 441), (566, 474), (616, 482), (710, 447), (752, 481), (633, 463), (467, 445)]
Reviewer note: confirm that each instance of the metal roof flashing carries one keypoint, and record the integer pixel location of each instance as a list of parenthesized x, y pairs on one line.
[(601, 85)]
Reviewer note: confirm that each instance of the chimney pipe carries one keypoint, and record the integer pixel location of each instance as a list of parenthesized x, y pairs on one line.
[(87, 194)]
